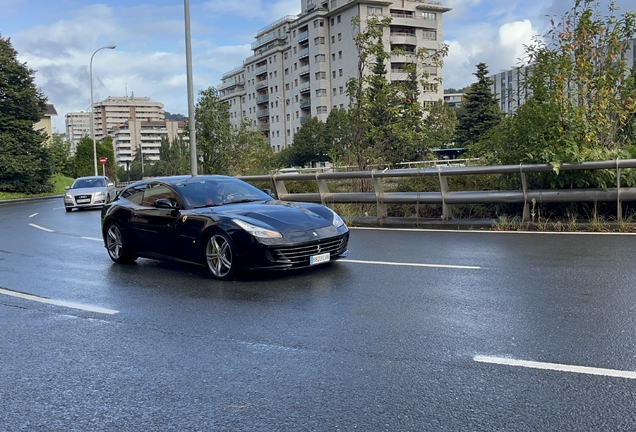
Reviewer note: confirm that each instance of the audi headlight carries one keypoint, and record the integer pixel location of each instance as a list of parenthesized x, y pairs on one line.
[(100, 194), (256, 230), (67, 196)]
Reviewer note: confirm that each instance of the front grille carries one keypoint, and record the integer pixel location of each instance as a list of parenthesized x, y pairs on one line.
[(82, 197), (298, 255)]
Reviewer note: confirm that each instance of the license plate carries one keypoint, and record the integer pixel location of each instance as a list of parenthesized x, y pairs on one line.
[(83, 201), (317, 259)]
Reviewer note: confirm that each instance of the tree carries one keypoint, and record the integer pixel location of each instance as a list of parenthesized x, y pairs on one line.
[(60, 150), (309, 144), (582, 97), (386, 116), (83, 162), (479, 112), (214, 133), (174, 157), (440, 123), (26, 164), (224, 148)]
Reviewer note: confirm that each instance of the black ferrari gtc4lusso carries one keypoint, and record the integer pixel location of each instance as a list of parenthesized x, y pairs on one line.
[(221, 222)]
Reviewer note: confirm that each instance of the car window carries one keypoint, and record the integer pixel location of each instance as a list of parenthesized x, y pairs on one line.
[(157, 191), (134, 194)]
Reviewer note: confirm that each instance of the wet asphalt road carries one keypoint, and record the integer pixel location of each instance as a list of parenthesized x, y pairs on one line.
[(368, 344)]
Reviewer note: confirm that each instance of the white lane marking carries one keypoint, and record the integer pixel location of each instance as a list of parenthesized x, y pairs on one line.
[(411, 264), (41, 228), (491, 231), (34, 214), (92, 238), (62, 303), (556, 367)]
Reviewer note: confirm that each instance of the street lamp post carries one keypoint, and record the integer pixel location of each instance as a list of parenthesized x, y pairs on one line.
[(92, 114)]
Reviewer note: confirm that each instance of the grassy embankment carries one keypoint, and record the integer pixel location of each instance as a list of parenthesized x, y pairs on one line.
[(59, 183)]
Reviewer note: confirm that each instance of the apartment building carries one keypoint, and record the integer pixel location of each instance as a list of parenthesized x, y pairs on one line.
[(131, 135), (77, 125), (300, 64), (113, 112)]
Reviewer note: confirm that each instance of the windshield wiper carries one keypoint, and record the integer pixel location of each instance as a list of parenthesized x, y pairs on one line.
[(246, 200), (207, 205)]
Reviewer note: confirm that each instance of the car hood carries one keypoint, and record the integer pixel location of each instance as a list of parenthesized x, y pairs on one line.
[(86, 191), (281, 215)]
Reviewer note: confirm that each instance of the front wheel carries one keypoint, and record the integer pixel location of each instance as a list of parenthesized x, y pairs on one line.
[(221, 257), (116, 245)]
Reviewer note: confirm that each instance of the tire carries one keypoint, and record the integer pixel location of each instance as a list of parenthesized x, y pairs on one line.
[(69, 209), (116, 245), (221, 257)]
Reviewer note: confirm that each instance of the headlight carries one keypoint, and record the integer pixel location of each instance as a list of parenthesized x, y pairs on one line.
[(257, 231), (100, 194), (67, 196), (337, 220)]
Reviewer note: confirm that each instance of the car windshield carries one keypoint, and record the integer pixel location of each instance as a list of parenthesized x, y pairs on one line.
[(215, 191), (88, 183)]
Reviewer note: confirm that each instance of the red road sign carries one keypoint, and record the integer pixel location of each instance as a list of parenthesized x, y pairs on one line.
[(102, 160)]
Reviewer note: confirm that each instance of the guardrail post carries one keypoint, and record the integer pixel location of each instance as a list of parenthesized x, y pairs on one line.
[(279, 186), (619, 210), (447, 210), (322, 188), (524, 184), (378, 188)]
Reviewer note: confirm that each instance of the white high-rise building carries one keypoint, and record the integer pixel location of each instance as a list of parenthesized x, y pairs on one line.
[(135, 134), (300, 64), (77, 126)]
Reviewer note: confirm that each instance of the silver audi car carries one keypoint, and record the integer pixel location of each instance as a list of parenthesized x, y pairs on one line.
[(91, 191)]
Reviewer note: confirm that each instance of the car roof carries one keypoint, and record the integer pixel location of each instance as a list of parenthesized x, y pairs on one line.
[(181, 178)]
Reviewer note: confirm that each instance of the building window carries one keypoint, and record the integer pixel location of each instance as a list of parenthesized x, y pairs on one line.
[(339, 37), (321, 75), (333, 57), (333, 74), (341, 89), (333, 39), (334, 91), (432, 16), (332, 21), (319, 40), (430, 35), (339, 55), (339, 72), (321, 92), (372, 10), (320, 58), (339, 19), (321, 110)]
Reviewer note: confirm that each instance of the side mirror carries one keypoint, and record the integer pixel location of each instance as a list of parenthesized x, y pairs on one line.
[(110, 184), (67, 187), (163, 203), (269, 192)]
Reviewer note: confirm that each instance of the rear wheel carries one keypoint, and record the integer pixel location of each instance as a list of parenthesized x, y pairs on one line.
[(116, 245), (221, 257)]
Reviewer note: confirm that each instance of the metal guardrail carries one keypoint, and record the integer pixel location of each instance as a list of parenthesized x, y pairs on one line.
[(447, 198)]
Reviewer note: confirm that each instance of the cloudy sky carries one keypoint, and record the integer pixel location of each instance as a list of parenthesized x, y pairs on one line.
[(57, 39)]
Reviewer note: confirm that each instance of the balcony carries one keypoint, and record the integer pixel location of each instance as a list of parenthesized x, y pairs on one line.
[(261, 84), (302, 37), (303, 119), (262, 99), (262, 113), (303, 70), (304, 87), (305, 103), (403, 38), (263, 127), (303, 53), (260, 70)]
